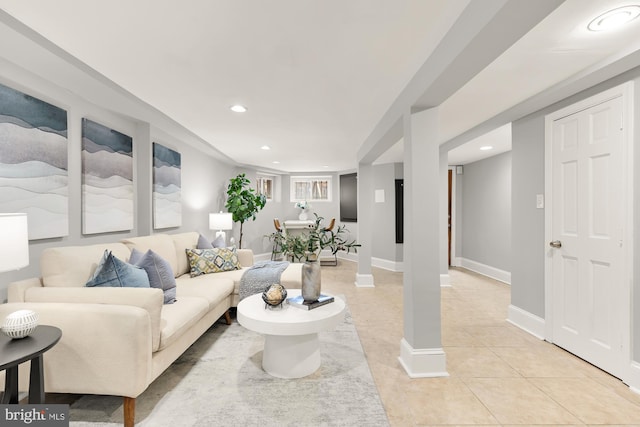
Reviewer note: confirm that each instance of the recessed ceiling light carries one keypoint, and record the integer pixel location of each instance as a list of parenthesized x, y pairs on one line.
[(325, 166), (486, 147), (266, 147), (238, 108), (614, 18), (275, 162)]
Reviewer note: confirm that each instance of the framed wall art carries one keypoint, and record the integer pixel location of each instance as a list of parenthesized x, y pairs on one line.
[(107, 179), (33, 163), (167, 203)]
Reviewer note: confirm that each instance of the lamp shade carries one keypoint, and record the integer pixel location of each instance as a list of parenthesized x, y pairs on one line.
[(220, 221), (14, 241)]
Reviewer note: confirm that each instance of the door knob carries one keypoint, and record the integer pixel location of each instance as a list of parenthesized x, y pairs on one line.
[(555, 244)]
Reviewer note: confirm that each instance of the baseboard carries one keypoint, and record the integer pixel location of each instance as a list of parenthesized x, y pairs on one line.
[(364, 280), (526, 321), (387, 264), (487, 270), (351, 256), (445, 281), (456, 262), (634, 377), (424, 362)]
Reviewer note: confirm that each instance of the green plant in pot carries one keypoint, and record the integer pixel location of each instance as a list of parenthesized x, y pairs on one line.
[(242, 201), (307, 246)]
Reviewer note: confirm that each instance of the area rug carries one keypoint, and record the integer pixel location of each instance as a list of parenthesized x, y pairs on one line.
[(219, 381)]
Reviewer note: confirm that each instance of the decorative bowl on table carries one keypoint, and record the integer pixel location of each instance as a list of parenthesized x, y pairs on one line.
[(274, 295), (20, 324)]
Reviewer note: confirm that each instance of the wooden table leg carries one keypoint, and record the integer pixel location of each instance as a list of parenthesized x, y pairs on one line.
[(10, 386), (36, 381)]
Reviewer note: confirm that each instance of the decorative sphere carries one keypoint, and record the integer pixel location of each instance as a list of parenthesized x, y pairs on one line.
[(20, 324), (274, 294)]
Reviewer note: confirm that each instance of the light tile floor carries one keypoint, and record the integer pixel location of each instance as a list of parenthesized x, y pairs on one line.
[(499, 374)]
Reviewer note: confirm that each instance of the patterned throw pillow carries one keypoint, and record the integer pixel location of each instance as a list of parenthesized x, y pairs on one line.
[(205, 261), (116, 273)]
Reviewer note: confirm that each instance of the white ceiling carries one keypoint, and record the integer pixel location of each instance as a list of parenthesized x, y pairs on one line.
[(317, 76), (498, 139)]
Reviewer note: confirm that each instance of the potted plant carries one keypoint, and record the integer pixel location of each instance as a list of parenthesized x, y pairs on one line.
[(243, 202), (308, 245)]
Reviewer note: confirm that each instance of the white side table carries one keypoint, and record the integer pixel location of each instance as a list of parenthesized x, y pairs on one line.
[(291, 346)]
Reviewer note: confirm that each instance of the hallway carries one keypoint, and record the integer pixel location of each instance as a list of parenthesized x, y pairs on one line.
[(499, 374)]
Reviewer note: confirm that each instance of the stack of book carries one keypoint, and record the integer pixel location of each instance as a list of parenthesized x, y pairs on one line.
[(299, 302)]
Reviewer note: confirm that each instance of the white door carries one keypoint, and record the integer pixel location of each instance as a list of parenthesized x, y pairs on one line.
[(588, 227)]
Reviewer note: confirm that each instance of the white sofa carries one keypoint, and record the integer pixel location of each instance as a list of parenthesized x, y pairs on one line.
[(116, 341)]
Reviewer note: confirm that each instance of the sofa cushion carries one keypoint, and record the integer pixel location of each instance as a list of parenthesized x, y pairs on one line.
[(162, 244), (203, 243), (183, 241), (113, 272), (219, 242), (245, 256), (211, 287), (205, 261), (236, 276), (74, 265), (177, 318), (159, 272)]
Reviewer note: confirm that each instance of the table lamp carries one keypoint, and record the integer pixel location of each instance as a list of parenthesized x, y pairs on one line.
[(221, 221), (14, 241)]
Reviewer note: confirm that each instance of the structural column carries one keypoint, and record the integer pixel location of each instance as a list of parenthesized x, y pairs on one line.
[(364, 278), (421, 352)]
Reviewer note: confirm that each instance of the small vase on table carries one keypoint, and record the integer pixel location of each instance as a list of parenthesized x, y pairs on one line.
[(311, 281)]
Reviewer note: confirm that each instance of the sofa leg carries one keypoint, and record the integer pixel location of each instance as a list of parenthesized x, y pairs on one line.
[(129, 411), (227, 317)]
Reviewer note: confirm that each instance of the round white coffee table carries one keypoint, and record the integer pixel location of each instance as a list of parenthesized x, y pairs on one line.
[(291, 346)]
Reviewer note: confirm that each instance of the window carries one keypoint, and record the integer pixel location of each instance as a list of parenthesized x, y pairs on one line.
[(311, 188), (264, 185)]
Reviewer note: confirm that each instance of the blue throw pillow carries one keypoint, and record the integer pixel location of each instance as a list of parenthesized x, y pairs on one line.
[(203, 243), (159, 272), (218, 242), (112, 272)]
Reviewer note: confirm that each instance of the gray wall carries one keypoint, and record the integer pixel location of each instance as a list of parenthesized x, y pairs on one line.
[(486, 212), (527, 267), (200, 171), (384, 215), (527, 272)]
